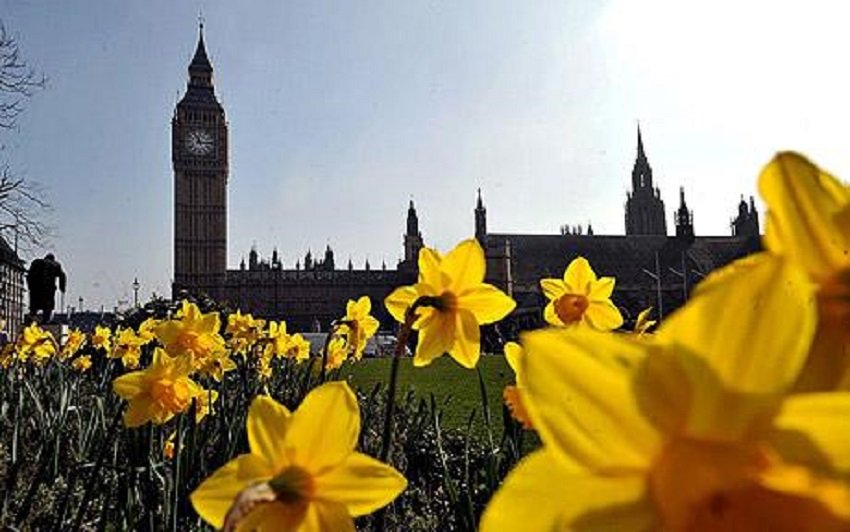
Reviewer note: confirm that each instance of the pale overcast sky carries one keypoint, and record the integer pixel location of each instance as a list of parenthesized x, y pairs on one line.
[(341, 111)]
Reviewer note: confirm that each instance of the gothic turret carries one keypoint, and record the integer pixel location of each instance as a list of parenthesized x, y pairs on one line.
[(747, 221), (684, 217), (644, 207), (412, 240), (480, 221)]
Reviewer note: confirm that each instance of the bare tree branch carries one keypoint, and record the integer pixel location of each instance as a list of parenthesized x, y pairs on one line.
[(23, 203), (18, 81)]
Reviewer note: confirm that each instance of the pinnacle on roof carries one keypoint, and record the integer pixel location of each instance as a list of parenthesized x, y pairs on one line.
[(640, 143), (201, 61), (480, 204)]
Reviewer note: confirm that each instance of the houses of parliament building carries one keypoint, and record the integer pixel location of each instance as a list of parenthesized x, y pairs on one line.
[(651, 268)]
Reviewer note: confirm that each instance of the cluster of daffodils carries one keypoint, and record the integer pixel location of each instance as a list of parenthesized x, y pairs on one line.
[(730, 417)]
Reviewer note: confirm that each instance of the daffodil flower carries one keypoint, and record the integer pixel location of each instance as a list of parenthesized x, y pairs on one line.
[(195, 335), (158, 392), (580, 298), (694, 431), (460, 302), (303, 467), (362, 324)]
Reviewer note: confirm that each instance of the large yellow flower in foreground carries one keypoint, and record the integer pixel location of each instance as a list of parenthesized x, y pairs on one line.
[(306, 467), (580, 298), (692, 432), (362, 324), (158, 392), (808, 223), (462, 302)]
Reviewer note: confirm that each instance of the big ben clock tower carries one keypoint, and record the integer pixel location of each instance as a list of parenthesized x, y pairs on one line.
[(199, 158)]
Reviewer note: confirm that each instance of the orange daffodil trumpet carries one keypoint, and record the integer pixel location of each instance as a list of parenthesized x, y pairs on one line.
[(302, 472), (458, 302), (808, 224), (581, 299), (693, 431)]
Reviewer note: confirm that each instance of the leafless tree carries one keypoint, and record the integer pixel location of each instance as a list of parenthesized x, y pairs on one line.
[(23, 203), (18, 81)]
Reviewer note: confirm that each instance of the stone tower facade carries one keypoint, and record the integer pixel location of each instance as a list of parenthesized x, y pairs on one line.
[(644, 207), (412, 240), (199, 157)]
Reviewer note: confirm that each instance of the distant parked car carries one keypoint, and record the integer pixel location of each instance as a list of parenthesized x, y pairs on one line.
[(380, 345)]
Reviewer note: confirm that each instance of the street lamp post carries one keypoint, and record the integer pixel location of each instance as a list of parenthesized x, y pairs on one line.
[(656, 276), (136, 286)]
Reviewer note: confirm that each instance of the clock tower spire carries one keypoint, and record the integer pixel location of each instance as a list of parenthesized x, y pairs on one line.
[(199, 158)]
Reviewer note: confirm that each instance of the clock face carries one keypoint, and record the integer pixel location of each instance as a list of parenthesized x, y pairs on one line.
[(200, 142)]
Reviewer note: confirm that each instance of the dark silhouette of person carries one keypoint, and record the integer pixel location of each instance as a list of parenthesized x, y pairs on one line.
[(41, 283)]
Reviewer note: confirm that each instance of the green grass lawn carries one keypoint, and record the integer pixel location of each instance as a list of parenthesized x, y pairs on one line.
[(447, 380)]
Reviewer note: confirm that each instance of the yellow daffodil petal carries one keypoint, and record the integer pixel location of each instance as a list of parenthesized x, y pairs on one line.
[(214, 497), (465, 265), (802, 202), (327, 516), (553, 288), (513, 353), (579, 277), (138, 413), (541, 493), (582, 400), (435, 339), (811, 429), (551, 316), (602, 289), (718, 412), (361, 483), (828, 364), (129, 385), (324, 429), (268, 422), (764, 310), (467, 344), (399, 301), (487, 303), (603, 315), (429, 268)]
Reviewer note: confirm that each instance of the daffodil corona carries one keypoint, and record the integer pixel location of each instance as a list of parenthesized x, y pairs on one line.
[(691, 432), (302, 472), (580, 298), (459, 302)]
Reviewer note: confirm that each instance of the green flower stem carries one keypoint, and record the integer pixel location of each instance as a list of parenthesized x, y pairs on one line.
[(175, 494), (401, 342)]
